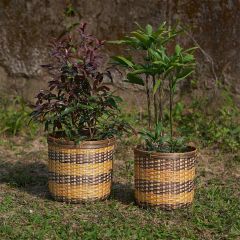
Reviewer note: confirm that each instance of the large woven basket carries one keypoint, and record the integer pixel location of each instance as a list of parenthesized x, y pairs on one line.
[(165, 180), (80, 173)]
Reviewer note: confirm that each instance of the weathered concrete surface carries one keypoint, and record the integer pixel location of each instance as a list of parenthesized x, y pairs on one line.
[(26, 26)]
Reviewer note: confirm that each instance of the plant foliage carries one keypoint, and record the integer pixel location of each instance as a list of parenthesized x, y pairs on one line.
[(14, 115), (220, 128), (159, 69), (77, 102)]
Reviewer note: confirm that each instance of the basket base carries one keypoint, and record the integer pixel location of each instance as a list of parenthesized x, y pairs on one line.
[(167, 207), (77, 200)]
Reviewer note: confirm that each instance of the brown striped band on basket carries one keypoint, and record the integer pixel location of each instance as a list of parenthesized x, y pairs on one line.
[(163, 187), (165, 164), (81, 156), (80, 173), (80, 180), (165, 180)]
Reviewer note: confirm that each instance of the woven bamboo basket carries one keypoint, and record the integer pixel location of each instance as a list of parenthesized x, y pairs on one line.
[(164, 180), (80, 173)]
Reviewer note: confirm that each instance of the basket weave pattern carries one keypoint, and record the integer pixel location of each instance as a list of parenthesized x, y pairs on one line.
[(165, 180), (80, 173)]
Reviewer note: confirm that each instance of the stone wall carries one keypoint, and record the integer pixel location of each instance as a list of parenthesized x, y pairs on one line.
[(27, 25)]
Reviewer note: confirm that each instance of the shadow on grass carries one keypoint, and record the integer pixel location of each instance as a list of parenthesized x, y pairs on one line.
[(30, 177), (122, 193), (33, 178)]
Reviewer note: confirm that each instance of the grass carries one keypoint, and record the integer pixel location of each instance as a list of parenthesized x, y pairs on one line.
[(28, 212), (15, 117), (219, 128)]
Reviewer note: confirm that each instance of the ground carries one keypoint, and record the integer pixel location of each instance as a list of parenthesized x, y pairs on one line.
[(28, 212)]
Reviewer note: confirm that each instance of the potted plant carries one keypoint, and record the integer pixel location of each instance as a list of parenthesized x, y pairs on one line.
[(164, 163), (81, 116)]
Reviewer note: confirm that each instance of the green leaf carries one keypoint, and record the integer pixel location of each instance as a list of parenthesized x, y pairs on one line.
[(161, 29), (85, 106), (117, 99), (119, 42), (141, 37), (157, 84), (133, 42), (158, 130), (139, 71), (188, 58), (142, 69), (178, 49), (168, 71), (154, 54), (183, 74), (190, 49), (67, 111), (132, 78), (149, 29), (147, 135), (123, 61), (111, 101), (160, 63)]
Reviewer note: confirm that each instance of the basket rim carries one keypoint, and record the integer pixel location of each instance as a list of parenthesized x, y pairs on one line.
[(61, 142), (192, 151)]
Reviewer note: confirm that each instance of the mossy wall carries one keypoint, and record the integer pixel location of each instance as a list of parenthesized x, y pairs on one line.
[(27, 25)]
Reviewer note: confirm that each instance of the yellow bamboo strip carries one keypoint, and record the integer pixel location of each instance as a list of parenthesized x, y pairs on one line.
[(155, 199), (79, 169), (79, 191), (164, 176)]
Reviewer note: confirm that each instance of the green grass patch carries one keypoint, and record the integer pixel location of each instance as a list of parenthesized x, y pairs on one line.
[(28, 212), (216, 126), (15, 117), (215, 214)]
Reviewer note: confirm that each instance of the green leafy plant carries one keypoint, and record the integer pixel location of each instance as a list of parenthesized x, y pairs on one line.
[(155, 141), (69, 10), (219, 128), (77, 102), (160, 69), (14, 116)]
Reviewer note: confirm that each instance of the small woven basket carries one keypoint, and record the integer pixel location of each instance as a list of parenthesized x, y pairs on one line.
[(80, 173), (164, 180)]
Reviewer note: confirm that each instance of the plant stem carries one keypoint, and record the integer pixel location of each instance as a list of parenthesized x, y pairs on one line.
[(170, 111), (90, 131), (160, 94), (155, 103), (148, 102)]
